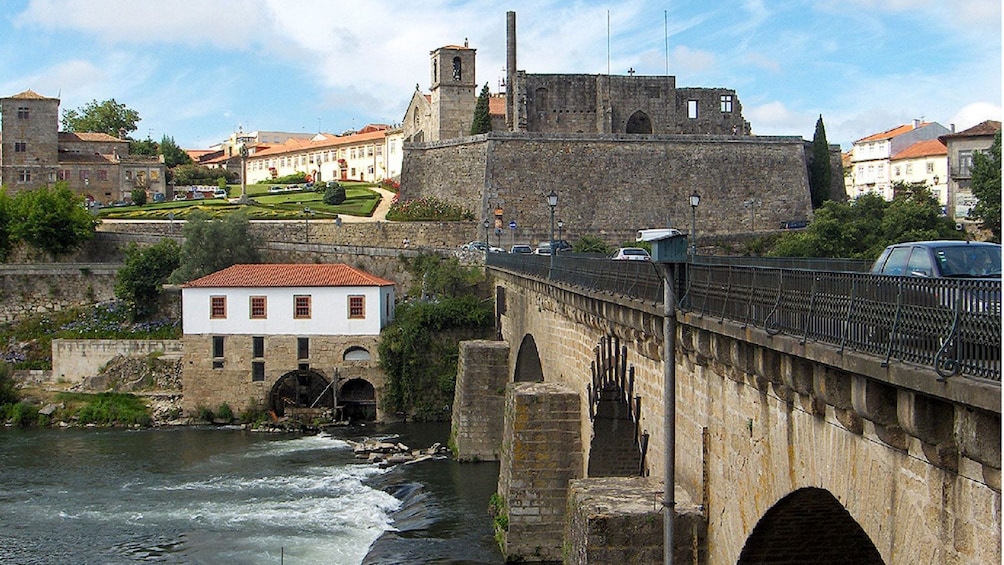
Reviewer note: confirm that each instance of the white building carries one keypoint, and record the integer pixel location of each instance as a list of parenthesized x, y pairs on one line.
[(923, 162), (284, 337), (871, 156)]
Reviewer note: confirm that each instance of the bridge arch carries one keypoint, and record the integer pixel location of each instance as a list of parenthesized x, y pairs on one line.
[(809, 526), (528, 369), (302, 388)]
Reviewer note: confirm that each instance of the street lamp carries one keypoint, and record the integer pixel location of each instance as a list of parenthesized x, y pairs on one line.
[(552, 201), (486, 224), (695, 199), (561, 226), (307, 213)]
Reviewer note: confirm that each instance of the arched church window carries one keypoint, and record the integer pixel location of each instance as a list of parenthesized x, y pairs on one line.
[(456, 68)]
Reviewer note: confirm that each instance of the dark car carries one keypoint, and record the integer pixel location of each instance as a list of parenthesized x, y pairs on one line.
[(941, 259)]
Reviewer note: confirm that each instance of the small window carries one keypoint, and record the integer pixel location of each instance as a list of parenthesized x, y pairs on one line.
[(257, 371), (217, 307), (692, 109), (102, 175), (22, 112), (257, 346), (301, 306), (357, 307), (258, 311), (217, 352), (457, 68), (24, 176), (20, 147), (930, 167), (303, 348), (727, 103)]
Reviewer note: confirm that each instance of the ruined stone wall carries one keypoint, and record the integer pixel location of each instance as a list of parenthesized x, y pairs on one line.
[(613, 185), (74, 360), (482, 373), (29, 289)]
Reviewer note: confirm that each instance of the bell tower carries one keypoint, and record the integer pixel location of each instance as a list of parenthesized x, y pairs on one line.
[(453, 91)]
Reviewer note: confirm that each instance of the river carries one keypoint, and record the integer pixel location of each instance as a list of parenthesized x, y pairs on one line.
[(212, 496)]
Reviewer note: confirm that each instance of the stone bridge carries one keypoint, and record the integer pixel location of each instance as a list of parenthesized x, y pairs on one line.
[(787, 449)]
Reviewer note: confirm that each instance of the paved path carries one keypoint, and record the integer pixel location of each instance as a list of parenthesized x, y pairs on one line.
[(380, 214)]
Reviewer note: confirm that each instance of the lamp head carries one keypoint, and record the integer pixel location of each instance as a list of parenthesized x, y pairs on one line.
[(695, 199), (552, 199)]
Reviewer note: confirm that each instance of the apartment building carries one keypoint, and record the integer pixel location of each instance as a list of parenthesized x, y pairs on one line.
[(961, 147), (871, 156)]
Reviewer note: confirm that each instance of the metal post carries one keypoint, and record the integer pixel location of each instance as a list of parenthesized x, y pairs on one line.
[(552, 201), (486, 235), (669, 411)]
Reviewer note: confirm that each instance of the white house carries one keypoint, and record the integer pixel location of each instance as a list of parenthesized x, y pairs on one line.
[(284, 336), (923, 162), (871, 156)]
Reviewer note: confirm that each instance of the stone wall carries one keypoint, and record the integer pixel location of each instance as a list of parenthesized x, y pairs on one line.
[(541, 452), (30, 288), (613, 185), (479, 395), (74, 360)]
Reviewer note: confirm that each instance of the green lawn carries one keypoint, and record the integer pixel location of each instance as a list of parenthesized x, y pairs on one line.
[(360, 200)]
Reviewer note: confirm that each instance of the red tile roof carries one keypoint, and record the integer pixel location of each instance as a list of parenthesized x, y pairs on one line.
[(891, 133), (31, 95), (929, 148), (988, 128), (288, 275)]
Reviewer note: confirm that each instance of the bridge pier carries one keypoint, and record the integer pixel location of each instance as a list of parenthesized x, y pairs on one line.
[(482, 373)]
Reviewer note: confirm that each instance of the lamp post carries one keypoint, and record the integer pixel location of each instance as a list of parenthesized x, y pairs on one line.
[(561, 226), (307, 213), (695, 200), (552, 201), (486, 224)]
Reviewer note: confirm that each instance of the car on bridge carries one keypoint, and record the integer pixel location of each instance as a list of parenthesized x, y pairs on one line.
[(520, 249), (631, 254), (941, 259)]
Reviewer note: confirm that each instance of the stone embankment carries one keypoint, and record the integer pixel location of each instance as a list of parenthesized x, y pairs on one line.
[(387, 454)]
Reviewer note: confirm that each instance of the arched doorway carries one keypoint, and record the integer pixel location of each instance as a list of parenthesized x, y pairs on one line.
[(528, 368), (809, 526), (302, 388), (357, 400), (639, 122)]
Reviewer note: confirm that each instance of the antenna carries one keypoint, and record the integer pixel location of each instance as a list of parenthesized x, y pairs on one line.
[(665, 20), (608, 42)]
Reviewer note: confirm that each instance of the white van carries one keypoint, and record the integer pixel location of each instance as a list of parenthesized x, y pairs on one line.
[(658, 233)]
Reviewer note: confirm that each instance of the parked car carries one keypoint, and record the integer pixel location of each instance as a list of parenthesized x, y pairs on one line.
[(938, 259), (274, 189), (544, 247), (220, 193), (520, 249), (632, 254), (474, 246)]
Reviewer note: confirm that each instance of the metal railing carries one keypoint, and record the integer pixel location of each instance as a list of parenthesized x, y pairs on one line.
[(950, 325)]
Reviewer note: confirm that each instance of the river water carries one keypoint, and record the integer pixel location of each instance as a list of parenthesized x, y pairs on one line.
[(227, 496)]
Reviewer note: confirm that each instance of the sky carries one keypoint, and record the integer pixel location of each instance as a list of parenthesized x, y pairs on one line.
[(198, 70)]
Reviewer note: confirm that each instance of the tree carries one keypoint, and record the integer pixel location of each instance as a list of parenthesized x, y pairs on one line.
[(52, 219), (211, 245), (147, 147), (101, 117), (173, 155), (334, 195), (862, 228), (986, 187), (138, 196), (7, 237), (141, 279), (188, 174), (482, 122), (820, 173), (592, 244)]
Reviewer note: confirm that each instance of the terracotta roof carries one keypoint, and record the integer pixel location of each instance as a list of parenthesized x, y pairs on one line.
[(891, 133), (988, 128), (288, 275), (929, 148), (70, 136), (294, 145), (32, 95)]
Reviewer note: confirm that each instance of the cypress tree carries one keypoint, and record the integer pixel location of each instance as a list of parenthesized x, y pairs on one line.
[(820, 174), (482, 122)]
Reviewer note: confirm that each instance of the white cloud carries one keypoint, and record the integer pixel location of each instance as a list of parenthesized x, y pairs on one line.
[(686, 60), (972, 114)]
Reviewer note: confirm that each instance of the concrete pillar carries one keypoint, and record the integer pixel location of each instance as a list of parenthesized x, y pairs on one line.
[(541, 452)]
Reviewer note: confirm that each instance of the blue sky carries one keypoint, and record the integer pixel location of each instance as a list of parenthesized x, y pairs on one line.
[(196, 70)]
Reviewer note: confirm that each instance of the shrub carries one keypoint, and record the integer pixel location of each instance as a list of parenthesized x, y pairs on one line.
[(225, 413), (334, 195), (427, 209)]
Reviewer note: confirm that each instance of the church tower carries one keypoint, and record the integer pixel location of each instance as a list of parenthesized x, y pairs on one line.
[(453, 91)]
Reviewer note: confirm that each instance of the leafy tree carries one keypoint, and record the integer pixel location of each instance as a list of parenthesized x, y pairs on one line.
[(7, 237), (173, 155), (820, 173), (986, 187), (147, 147), (592, 244), (214, 244), (334, 195), (862, 228), (101, 117), (140, 280), (52, 219), (482, 122), (435, 276), (8, 386), (188, 174), (138, 196)]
